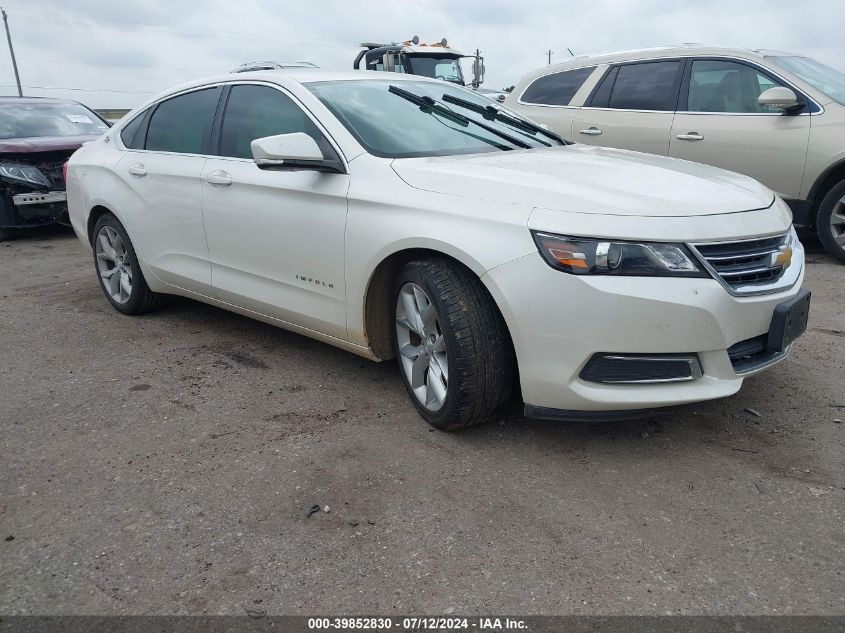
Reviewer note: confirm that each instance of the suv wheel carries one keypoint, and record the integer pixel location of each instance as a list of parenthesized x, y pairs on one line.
[(453, 347), (118, 270), (830, 222)]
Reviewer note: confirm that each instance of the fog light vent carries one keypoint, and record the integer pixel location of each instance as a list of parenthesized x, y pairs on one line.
[(622, 369)]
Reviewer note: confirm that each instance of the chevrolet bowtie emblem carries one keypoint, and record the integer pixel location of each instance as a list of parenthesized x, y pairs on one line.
[(783, 258)]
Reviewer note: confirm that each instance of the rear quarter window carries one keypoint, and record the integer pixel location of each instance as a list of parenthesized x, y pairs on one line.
[(557, 88), (129, 133)]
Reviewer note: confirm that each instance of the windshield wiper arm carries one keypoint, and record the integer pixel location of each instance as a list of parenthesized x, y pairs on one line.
[(436, 106), (493, 113), (428, 102)]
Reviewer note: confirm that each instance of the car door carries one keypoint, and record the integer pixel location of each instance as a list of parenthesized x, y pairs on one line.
[(275, 238), (162, 168), (720, 123), (632, 107)]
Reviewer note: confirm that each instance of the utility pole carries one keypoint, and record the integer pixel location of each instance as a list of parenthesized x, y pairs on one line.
[(550, 51), (12, 51)]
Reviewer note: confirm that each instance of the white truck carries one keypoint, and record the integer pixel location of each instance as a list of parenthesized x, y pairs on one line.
[(439, 60)]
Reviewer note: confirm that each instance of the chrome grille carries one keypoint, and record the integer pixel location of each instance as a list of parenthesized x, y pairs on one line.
[(753, 266)]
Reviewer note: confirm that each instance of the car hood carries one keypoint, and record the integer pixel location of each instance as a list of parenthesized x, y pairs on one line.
[(43, 144), (587, 179)]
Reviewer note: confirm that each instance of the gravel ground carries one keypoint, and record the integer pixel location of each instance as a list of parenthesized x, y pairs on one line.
[(165, 464)]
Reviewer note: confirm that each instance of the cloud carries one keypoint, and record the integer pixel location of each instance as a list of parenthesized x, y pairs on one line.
[(131, 49)]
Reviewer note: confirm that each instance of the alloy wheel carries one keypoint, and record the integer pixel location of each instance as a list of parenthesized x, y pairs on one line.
[(837, 223), (422, 347), (114, 264)]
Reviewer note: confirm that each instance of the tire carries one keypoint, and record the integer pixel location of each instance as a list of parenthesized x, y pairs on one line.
[(830, 222), (115, 259), (465, 333)]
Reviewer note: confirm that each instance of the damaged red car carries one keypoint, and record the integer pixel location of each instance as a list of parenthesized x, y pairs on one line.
[(37, 136)]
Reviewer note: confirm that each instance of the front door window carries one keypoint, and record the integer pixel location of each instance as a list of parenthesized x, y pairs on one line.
[(726, 86)]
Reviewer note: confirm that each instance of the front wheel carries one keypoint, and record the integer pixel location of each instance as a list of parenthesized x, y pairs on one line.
[(830, 222), (454, 350)]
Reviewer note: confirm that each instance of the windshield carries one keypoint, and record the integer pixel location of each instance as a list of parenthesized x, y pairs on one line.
[(446, 68), (823, 78), (391, 126), (27, 120)]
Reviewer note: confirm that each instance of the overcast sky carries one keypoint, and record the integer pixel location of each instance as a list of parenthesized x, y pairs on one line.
[(136, 48)]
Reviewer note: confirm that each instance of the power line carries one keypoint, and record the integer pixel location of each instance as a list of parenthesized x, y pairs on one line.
[(137, 92), (94, 63), (163, 29)]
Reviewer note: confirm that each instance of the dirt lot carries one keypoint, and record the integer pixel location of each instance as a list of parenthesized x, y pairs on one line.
[(165, 464)]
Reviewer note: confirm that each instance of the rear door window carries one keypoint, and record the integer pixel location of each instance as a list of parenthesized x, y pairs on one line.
[(557, 88), (601, 95), (183, 124), (645, 86)]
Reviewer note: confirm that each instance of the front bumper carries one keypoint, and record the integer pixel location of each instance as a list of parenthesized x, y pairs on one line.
[(33, 209), (39, 198), (558, 322)]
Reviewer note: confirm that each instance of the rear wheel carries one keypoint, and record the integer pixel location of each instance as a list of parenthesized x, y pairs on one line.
[(452, 345), (118, 270), (830, 222)]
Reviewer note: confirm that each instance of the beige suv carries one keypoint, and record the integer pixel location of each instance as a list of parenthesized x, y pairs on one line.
[(777, 117)]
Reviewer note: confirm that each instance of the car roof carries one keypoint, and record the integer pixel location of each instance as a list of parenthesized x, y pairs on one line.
[(284, 77), (299, 75), (675, 50)]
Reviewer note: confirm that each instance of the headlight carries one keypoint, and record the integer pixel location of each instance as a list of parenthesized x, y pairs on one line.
[(24, 173), (583, 256)]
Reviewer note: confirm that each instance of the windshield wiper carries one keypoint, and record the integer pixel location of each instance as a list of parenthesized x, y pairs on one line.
[(494, 114), (428, 102)]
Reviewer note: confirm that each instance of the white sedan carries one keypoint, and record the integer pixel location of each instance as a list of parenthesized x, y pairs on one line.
[(395, 216)]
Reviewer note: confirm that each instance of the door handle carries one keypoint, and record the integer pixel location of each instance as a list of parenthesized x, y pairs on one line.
[(690, 136), (138, 170), (592, 131), (218, 177)]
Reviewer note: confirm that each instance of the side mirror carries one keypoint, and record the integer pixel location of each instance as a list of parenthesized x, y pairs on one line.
[(389, 62), (478, 71), (297, 151), (778, 98)]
